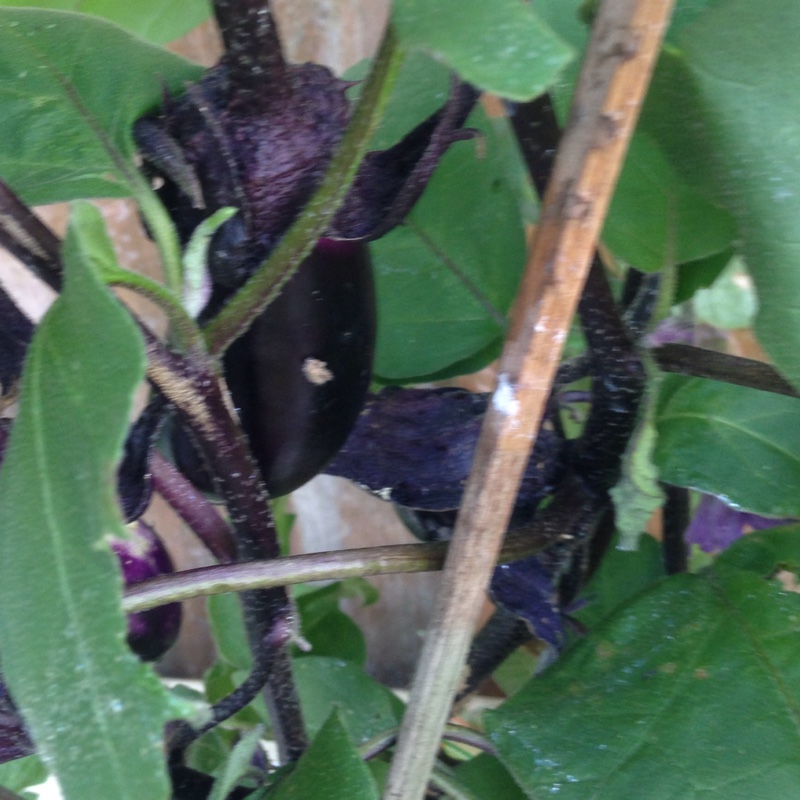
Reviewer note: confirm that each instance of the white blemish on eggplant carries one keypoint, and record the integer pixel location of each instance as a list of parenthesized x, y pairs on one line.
[(316, 371)]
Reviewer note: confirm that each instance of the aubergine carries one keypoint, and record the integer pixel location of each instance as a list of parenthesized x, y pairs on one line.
[(299, 377), (150, 633)]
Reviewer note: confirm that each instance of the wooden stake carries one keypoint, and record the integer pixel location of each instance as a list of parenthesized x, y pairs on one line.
[(626, 38)]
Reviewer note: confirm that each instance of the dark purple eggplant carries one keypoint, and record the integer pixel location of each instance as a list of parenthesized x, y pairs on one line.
[(150, 633), (258, 133), (299, 376)]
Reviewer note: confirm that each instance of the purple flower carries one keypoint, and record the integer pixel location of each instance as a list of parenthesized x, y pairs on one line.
[(716, 525)]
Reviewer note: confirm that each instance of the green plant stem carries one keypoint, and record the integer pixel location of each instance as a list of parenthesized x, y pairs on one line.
[(266, 283), (289, 570), (161, 229), (187, 332), (444, 781), (452, 733)]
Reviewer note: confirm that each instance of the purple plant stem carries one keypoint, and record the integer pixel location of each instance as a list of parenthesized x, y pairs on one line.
[(201, 404), (194, 509)]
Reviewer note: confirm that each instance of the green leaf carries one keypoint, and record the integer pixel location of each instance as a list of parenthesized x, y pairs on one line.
[(227, 625), (622, 575), (22, 773), (434, 323), (331, 769), (421, 87), (729, 302), (84, 695), (446, 278), (324, 626), (740, 444), (367, 707), (515, 671), (502, 46), (729, 116), (157, 21), (237, 765), (488, 779), (71, 87), (763, 552), (655, 217), (691, 691), (695, 275)]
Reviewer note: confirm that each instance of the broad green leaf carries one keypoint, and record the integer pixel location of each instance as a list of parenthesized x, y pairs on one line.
[(689, 692), (503, 47), (157, 21), (655, 217), (367, 708), (421, 87), (435, 323), (71, 86), (227, 625), (446, 278), (488, 779), (730, 302), (325, 627), (238, 764), (22, 773), (700, 274), (656, 214), (728, 113), (622, 575), (86, 698), (331, 769), (740, 444), (515, 671)]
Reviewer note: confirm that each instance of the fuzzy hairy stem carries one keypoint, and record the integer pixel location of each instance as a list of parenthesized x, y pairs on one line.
[(192, 507), (677, 515), (201, 403), (698, 362), (265, 285)]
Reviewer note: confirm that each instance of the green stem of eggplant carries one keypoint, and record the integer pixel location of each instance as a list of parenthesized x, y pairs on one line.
[(334, 565)]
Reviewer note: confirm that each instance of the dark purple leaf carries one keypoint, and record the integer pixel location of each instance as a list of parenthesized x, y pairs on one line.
[(14, 739), (525, 588), (150, 633), (415, 447)]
